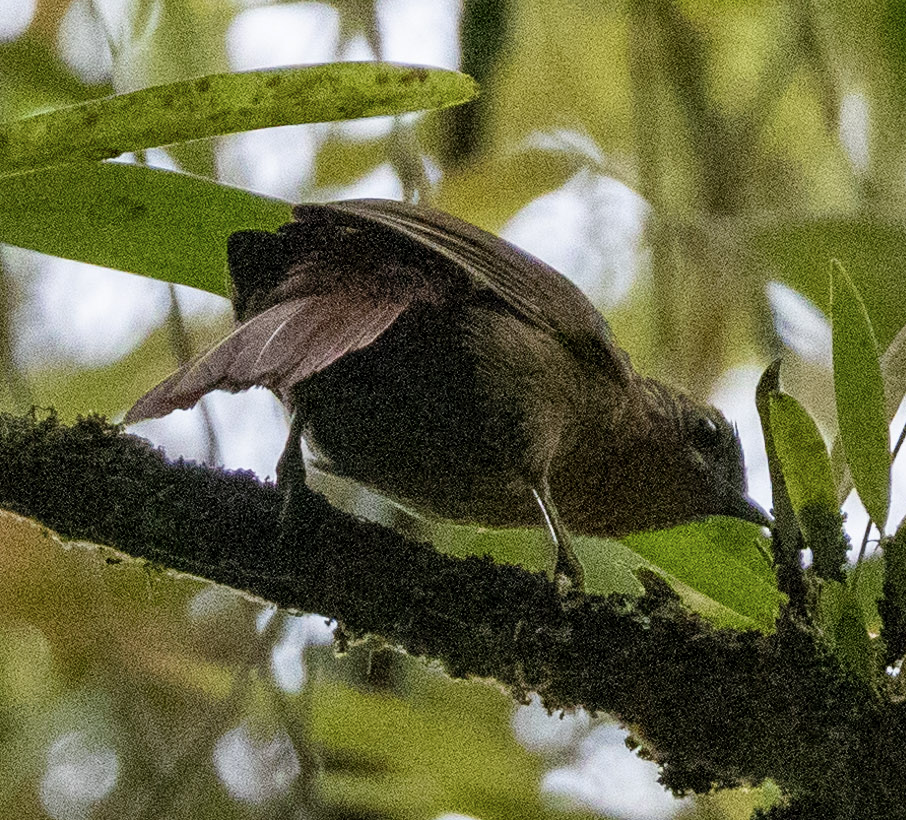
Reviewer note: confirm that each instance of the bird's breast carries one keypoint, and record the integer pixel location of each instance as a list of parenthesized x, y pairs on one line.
[(456, 410)]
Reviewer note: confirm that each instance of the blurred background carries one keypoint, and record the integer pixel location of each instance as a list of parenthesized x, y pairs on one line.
[(691, 165)]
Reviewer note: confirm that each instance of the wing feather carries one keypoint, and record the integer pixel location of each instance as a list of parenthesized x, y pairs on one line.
[(346, 287), (277, 348), (534, 290)]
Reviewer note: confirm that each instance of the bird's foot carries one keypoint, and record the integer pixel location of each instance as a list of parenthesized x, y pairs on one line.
[(569, 575)]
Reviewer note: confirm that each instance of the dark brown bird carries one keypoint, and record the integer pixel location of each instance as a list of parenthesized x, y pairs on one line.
[(448, 369)]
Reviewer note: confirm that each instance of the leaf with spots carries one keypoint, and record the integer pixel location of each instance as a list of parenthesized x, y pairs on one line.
[(224, 104)]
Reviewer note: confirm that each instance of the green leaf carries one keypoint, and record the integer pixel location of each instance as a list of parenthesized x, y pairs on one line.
[(893, 373), (786, 526), (859, 392), (809, 481), (223, 104), (802, 454), (853, 646), (718, 567), (842, 619), (169, 226), (867, 582)]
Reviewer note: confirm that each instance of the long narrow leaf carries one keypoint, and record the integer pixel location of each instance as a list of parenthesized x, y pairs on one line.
[(893, 373), (859, 392), (223, 104), (809, 481), (142, 220), (803, 456), (842, 620), (786, 525)]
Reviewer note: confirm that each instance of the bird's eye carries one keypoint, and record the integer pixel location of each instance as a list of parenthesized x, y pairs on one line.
[(704, 434)]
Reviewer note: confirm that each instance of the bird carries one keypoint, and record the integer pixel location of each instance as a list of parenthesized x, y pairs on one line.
[(460, 376)]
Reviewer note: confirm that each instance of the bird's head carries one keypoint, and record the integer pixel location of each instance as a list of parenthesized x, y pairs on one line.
[(704, 458)]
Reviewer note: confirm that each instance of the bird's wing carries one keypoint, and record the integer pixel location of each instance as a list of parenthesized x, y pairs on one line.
[(277, 349), (532, 289)]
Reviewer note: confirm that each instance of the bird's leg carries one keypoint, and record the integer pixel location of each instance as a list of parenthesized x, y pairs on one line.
[(291, 471), (567, 565), (291, 484)]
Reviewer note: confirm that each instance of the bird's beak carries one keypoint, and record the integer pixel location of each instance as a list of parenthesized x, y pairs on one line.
[(741, 506)]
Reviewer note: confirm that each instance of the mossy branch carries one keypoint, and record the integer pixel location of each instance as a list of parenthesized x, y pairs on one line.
[(713, 707)]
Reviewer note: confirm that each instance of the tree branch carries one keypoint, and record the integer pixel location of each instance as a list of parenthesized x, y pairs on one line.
[(714, 707)]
